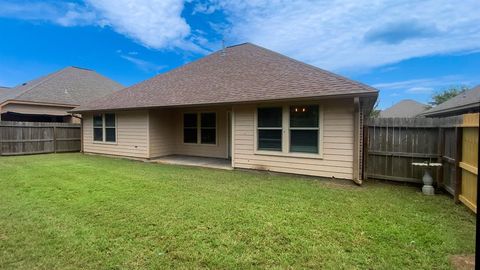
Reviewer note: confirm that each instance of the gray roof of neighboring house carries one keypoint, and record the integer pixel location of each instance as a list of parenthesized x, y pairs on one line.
[(71, 85), (469, 99), (405, 108), (3, 91), (241, 73)]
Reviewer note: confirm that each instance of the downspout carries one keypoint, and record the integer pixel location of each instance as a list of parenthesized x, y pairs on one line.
[(356, 141), (81, 131)]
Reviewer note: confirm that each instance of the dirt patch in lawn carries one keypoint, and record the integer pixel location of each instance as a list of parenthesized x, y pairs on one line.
[(463, 262)]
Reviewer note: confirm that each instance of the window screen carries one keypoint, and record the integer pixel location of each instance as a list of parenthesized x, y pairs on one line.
[(104, 127), (208, 128), (98, 127), (269, 125), (190, 128), (304, 128)]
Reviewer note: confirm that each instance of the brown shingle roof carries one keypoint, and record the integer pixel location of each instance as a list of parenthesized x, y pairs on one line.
[(244, 73), (404, 108), (71, 85), (469, 99)]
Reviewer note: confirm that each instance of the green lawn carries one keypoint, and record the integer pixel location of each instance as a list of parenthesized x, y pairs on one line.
[(69, 211)]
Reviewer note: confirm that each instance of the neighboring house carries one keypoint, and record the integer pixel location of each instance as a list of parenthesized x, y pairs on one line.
[(406, 108), (49, 98), (466, 102), (261, 109)]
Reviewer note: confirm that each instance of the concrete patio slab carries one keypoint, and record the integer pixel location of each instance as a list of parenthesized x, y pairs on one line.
[(208, 162)]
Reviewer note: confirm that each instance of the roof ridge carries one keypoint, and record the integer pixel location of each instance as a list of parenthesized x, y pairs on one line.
[(47, 78), (77, 67), (360, 84), (411, 99)]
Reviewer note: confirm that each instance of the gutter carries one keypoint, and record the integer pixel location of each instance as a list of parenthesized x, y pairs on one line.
[(448, 110)]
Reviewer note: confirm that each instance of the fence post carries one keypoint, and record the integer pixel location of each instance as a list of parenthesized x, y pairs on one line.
[(440, 151), (458, 159), (54, 139), (1, 136)]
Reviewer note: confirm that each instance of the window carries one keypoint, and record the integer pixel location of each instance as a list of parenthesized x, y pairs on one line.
[(208, 128), (98, 127), (190, 128), (200, 128), (304, 128), (269, 124), (110, 127), (104, 127)]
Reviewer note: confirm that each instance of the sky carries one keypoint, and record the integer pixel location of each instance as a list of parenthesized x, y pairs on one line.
[(406, 49)]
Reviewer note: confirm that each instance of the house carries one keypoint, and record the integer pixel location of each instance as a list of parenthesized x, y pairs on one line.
[(258, 108), (466, 102), (406, 108), (49, 98)]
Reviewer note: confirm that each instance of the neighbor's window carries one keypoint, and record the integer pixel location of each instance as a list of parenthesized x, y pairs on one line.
[(104, 127), (269, 125), (208, 124), (304, 128), (190, 128), (98, 127)]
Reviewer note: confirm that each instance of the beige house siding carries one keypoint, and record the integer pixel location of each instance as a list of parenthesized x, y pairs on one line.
[(162, 134), (155, 133), (338, 144), (38, 109), (35, 109), (132, 135), (219, 150)]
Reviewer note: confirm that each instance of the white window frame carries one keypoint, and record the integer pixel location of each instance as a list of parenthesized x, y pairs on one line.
[(104, 129), (199, 128), (286, 133)]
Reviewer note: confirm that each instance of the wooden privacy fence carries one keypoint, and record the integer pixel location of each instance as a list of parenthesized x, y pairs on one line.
[(23, 138), (469, 161), (392, 144)]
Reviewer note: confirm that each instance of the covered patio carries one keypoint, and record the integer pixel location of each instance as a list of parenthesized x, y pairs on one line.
[(196, 136)]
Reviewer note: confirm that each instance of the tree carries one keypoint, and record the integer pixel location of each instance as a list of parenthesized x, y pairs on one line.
[(446, 94), (375, 111)]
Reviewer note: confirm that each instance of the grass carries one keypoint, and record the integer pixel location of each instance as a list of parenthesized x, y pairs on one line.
[(70, 211)]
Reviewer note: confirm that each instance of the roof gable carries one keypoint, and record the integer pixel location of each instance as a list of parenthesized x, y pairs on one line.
[(241, 73)]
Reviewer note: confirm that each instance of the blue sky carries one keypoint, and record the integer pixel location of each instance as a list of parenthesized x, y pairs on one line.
[(407, 49)]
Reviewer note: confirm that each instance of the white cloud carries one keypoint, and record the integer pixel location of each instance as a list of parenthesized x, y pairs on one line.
[(336, 35), (420, 90), (354, 34), (62, 13), (143, 64), (423, 86), (154, 23)]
